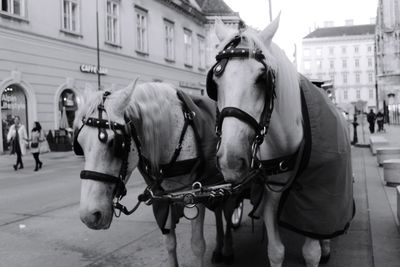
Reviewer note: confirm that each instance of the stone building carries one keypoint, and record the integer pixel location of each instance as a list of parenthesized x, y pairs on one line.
[(343, 57), (388, 58), (48, 52)]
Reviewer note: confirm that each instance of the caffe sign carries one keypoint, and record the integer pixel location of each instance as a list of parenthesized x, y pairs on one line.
[(93, 69)]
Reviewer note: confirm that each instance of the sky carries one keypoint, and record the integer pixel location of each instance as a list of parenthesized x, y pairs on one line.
[(299, 17)]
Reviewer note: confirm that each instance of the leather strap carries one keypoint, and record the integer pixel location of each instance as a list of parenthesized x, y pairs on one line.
[(106, 178)]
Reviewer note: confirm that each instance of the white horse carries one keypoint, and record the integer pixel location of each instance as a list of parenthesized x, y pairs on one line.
[(156, 113), (248, 70)]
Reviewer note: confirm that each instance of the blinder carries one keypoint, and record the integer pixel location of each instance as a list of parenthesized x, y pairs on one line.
[(117, 145), (230, 51)]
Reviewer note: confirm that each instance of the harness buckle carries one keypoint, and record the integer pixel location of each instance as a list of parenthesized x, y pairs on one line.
[(282, 166), (190, 115)]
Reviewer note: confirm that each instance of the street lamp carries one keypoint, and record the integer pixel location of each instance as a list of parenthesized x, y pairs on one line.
[(98, 48)]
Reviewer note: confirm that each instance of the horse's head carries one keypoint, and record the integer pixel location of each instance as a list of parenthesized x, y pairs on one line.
[(104, 138), (243, 82)]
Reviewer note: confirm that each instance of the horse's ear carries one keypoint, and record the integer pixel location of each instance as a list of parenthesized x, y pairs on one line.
[(131, 87), (221, 30), (268, 33)]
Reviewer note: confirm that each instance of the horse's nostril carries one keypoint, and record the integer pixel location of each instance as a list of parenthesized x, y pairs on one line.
[(241, 164), (218, 165), (96, 216)]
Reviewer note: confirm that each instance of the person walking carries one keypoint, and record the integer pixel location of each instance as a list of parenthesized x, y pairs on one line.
[(371, 117), (379, 120), (18, 138), (37, 137)]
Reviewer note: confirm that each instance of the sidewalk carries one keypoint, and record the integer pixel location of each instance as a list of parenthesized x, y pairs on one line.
[(381, 206)]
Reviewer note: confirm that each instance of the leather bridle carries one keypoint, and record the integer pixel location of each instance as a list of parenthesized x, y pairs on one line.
[(257, 166), (121, 147), (260, 128)]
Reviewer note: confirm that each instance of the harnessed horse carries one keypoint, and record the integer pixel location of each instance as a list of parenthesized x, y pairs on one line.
[(176, 165), (281, 133)]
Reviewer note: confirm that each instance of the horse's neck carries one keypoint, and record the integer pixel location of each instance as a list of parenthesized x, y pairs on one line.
[(169, 144), (189, 148), (284, 136)]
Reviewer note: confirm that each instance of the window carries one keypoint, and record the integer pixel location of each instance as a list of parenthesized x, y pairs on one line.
[(14, 7), (369, 62), (358, 93), (319, 52), (344, 63), (319, 64), (141, 30), (371, 93), (331, 50), (169, 40), (202, 52), (357, 77), (112, 22), (345, 78), (344, 50), (331, 64), (370, 77), (357, 63), (345, 94), (332, 77), (356, 49), (306, 52), (70, 16), (307, 65), (187, 41), (369, 48)]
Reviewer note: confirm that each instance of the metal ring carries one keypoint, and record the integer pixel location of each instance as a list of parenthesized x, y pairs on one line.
[(189, 200), (197, 185), (281, 167)]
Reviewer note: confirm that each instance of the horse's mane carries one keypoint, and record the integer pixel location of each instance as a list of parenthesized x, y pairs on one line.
[(287, 78), (150, 108)]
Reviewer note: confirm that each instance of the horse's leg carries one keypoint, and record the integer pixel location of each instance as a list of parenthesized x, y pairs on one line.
[(217, 256), (325, 250), (229, 207), (198, 242), (311, 252), (276, 250), (170, 243)]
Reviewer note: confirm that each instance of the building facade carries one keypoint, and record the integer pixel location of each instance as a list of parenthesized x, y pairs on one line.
[(388, 58), (344, 58), (47, 58)]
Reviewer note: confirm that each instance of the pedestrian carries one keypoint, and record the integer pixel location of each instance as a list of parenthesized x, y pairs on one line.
[(371, 117), (37, 138), (379, 120), (18, 138)]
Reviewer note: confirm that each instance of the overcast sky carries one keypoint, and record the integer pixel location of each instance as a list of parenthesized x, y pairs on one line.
[(298, 17)]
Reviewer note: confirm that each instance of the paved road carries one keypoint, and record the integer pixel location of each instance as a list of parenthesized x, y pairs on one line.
[(40, 226)]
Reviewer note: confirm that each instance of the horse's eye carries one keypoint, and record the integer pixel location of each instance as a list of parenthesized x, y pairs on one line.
[(262, 78)]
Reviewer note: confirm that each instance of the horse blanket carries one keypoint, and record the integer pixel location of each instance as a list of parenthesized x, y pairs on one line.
[(168, 214), (320, 204)]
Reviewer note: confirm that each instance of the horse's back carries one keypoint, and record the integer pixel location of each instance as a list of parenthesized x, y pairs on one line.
[(321, 202)]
